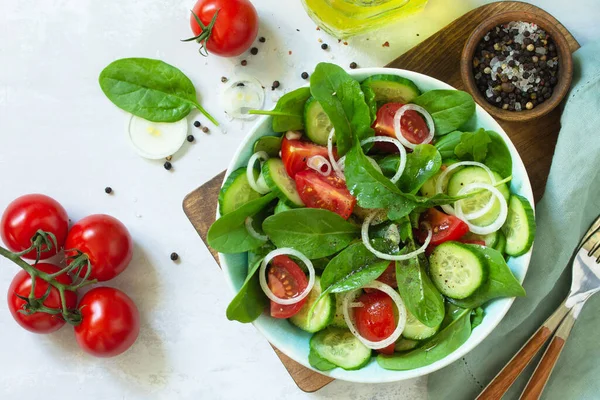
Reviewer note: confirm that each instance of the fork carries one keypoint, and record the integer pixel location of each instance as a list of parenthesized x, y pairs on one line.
[(585, 282)]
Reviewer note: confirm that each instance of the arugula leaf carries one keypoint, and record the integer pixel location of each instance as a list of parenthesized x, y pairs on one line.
[(249, 303), (439, 346), (420, 295), (288, 114), (344, 103), (423, 163), (473, 146), (228, 234), (500, 282), (450, 109), (314, 232), (150, 89), (318, 362), (498, 156)]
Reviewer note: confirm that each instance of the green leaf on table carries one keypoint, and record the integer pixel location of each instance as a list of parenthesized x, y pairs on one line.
[(228, 234), (150, 89), (450, 109), (314, 232), (288, 114), (344, 103), (473, 146), (500, 282)]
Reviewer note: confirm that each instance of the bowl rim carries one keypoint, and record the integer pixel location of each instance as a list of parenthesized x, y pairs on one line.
[(338, 373), (565, 75)]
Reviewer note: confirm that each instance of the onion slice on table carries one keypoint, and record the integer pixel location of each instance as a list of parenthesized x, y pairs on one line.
[(390, 257), (317, 163), (348, 303), (258, 185), (263, 276), (156, 140), (494, 226), (252, 231), (398, 127)]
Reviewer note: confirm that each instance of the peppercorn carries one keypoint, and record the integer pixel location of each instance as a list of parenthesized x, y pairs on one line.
[(168, 165), (174, 256), (324, 46), (353, 65), (529, 105), (224, 79), (197, 124), (205, 129), (244, 63), (254, 51), (530, 47), (108, 190), (275, 85), (262, 39), (190, 138), (304, 75)]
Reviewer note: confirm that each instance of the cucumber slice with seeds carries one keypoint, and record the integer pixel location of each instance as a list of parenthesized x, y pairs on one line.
[(322, 313), (428, 188), (340, 347), (338, 318), (416, 330), (280, 182), (236, 192), (392, 88), (456, 270), (269, 144), (316, 123), (519, 227), (404, 344)]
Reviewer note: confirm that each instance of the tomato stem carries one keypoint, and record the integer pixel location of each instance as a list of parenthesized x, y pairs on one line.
[(204, 35)]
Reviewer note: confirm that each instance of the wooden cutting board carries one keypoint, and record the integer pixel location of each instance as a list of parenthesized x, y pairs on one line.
[(439, 57)]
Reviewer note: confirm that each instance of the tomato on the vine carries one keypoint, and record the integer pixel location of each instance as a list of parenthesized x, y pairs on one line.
[(105, 241), (234, 28), (39, 322), (286, 280), (26, 215), (110, 322), (375, 319)]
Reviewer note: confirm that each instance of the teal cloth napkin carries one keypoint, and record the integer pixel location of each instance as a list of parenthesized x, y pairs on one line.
[(568, 207)]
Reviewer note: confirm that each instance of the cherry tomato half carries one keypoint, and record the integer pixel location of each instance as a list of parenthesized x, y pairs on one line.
[(295, 155), (28, 214), (326, 192), (413, 126), (110, 322), (389, 275), (39, 322), (235, 29), (445, 227), (376, 320), (106, 242), (286, 280)]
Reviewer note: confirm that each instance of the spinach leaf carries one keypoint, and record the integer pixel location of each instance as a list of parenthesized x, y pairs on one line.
[(498, 156), (228, 234), (250, 301), (423, 163), (473, 146), (421, 297), (439, 346), (150, 89), (500, 282), (318, 362), (447, 144), (370, 100), (288, 114), (344, 103), (354, 267), (477, 317), (450, 109), (314, 232)]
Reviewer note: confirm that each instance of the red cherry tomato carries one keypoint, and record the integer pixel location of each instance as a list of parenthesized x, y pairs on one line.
[(106, 242), (110, 322), (295, 154), (413, 126), (375, 320), (445, 227), (389, 275), (39, 322), (286, 280), (28, 214), (235, 28), (326, 192)]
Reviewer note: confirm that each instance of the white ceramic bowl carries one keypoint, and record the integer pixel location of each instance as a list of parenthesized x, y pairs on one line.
[(292, 341)]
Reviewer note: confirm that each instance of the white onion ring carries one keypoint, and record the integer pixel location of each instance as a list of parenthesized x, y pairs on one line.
[(390, 257), (263, 279), (317, 163), (293, 135), (252, 231), (494, 226), (398, 128), (401, 149), (440, 181), (338, 171), (401, 316), (356, 304), (259, 187)]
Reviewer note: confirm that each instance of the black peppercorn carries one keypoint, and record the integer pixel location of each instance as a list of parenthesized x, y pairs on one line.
[(168, 165), (275, 85), (224, 79), (190, 138), (244, 63), (262, 39), (254, 51), (324, 46), (108, 190), (353, 65), (197, 124), (205, 129), (174, 256), (304, 75)]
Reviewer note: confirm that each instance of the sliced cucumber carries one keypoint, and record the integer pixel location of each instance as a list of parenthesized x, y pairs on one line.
[(490, 240), (501, 243), (392, 88), (403, 344), (416, 330), (281, 206), (236, 192), (519, 227), (280, 182), (269, 144), (322, 313), (340, 347), (456, 270), (316, 123), (428, 188), (338, 319), (469, 175)]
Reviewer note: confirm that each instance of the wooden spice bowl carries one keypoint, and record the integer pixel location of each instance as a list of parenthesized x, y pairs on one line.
[(565, 68)]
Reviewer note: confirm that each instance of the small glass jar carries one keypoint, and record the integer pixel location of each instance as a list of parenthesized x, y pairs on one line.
[(344, 18)]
